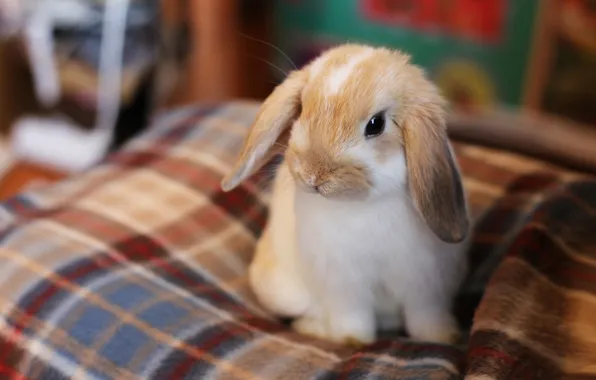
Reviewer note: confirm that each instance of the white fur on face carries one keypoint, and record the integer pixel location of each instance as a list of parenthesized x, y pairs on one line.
[(387, 176), (337, 79), (390, 175), (299, 136)]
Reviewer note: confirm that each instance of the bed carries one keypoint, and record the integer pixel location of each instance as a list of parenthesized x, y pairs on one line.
[(136, 269)]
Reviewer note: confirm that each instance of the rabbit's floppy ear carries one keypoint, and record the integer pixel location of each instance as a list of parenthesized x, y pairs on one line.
[(434, 181), (275, 117)]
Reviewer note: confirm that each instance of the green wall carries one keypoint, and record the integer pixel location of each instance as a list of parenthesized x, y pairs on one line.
[(505, 63)]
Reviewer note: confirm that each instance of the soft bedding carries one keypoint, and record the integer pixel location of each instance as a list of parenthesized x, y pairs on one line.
[(137, 270)]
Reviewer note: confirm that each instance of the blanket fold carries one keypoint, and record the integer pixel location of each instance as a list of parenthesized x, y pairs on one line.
[(536, 318)]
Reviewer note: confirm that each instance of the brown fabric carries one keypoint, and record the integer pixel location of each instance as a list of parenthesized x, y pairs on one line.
[(488, 173), (547, 137), (537, 317)]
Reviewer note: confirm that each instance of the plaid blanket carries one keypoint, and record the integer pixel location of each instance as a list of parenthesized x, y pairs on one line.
[(137, 269)]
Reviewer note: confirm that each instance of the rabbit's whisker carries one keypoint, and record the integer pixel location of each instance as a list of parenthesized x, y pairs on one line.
[(270, 45), (270, 64)]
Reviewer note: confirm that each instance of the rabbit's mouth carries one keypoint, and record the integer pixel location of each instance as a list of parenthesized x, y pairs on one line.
[(345, 185), (349, 194), (329, 178)]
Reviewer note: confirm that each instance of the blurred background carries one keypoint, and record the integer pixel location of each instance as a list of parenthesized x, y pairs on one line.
[(80, 78)]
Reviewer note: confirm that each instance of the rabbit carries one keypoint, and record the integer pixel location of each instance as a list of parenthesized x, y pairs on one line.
[(368, 223)]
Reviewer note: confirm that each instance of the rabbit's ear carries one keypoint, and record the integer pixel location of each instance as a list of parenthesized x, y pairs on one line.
[(433, 177), (275, 117)]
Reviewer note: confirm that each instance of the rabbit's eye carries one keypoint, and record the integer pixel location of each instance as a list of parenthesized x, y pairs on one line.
[(375, 126)]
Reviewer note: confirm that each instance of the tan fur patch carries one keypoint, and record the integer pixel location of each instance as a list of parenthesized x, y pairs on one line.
[(272, 123), (333, 121)]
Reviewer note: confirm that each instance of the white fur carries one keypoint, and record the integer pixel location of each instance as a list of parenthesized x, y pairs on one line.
[(345, 268), (338, 78), (317, 66), (388, 175), (300, 136)]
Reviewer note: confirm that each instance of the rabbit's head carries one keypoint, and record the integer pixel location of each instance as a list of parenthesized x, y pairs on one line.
[(357, 123)]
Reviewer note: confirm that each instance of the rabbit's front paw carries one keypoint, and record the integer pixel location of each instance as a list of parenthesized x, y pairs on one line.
[(353, 331), (435, 327), (310, 326)]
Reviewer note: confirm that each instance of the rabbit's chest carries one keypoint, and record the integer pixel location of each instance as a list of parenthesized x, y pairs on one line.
[(369, 235)]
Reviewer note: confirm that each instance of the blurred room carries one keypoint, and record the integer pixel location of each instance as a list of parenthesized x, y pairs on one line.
[(536, 56), (143, 236)]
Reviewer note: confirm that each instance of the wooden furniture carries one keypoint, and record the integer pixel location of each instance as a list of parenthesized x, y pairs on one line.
[(229, 54), (16, 87)]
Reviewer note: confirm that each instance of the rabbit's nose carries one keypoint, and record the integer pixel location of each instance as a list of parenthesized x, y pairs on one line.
[(313, 180), (317, 188), (316, 184)]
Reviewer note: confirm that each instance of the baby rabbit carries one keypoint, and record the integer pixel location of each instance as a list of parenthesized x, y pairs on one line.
[(368, 221)]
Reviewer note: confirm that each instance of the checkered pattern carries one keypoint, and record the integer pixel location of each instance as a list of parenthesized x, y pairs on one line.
[(137, 268)]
